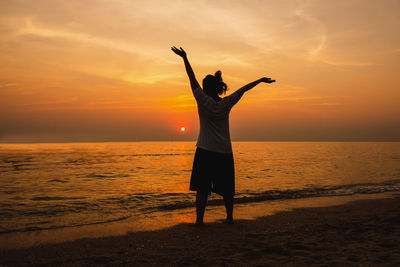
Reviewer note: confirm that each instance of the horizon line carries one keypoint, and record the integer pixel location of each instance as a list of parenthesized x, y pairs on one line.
[(191, 141)]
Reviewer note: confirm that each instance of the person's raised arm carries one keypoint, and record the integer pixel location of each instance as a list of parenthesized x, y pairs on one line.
[(247, 87), (180, 52)]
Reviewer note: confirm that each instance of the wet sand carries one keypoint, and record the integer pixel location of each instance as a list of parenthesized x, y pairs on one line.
[(363, 232)]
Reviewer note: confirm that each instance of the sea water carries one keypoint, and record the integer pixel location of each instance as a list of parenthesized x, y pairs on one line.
[(56, 186)]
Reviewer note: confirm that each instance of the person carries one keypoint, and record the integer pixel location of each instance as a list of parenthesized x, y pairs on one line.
[(213, 165)]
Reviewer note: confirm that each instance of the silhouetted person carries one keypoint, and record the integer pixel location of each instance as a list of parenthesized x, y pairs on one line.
[(213, 167)]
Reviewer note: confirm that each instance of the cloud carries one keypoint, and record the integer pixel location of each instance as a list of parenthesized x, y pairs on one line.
[(346, 63), (314, 52), (318, 51), (8, 84), (31, 29)]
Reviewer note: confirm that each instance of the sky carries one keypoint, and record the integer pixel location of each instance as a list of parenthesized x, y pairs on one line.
[(97, 70)]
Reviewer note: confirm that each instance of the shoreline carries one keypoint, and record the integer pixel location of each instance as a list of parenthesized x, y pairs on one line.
[(365, 231), (166, 219)]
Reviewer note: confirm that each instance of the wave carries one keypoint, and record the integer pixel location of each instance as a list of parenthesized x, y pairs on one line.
[(47, 198), (160, 154), (339, 190), (145, 203), (106, 176), (57, 181), (36, 228)]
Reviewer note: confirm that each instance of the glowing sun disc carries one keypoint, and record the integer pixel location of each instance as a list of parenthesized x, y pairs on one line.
[(183, 129)]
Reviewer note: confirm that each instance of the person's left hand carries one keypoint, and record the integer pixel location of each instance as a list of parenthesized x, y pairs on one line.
[(179, 52), (267, 80)]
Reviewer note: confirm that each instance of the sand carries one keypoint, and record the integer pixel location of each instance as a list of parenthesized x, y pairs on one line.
[(364, 232)]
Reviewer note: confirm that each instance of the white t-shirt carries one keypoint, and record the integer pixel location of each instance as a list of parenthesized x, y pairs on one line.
[(214, 121)]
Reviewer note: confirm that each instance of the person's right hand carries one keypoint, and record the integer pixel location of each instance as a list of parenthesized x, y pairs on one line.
[(267, 80), (179, 52)]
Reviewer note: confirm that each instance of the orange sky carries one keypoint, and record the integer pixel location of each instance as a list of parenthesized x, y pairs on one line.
[(103, 70)]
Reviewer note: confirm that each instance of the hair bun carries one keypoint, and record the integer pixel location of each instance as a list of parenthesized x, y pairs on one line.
[(218, 75), (222, 87)]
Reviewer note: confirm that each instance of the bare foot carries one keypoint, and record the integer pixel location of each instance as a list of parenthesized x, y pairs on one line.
[(228, 221), (200, 224)]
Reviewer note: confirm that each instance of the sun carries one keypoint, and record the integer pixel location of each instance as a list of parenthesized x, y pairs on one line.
[(183, 129)]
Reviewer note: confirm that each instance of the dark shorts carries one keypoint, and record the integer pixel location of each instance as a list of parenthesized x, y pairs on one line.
[(213, 171)]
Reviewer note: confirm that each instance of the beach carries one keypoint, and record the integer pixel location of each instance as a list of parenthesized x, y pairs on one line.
[(361, 232)]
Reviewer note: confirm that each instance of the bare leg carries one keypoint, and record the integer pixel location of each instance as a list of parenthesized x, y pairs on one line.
[(201, 202), (229, 209)]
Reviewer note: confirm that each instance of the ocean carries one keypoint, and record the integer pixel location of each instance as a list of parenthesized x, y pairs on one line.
[(45, 187)]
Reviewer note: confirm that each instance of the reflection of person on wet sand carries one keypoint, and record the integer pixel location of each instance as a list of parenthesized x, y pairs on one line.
[(213, 167)]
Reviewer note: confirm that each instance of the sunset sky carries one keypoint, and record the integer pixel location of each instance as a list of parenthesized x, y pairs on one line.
[(97, 70)]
